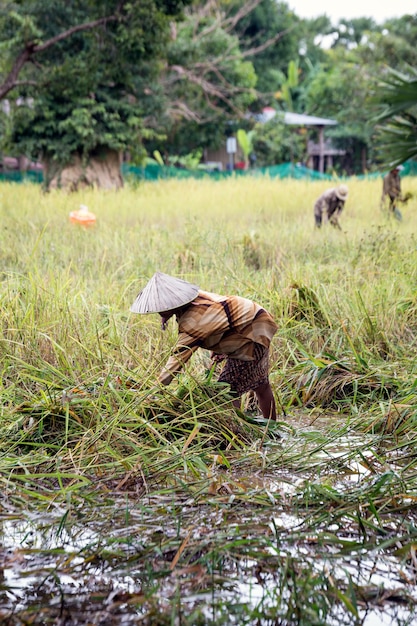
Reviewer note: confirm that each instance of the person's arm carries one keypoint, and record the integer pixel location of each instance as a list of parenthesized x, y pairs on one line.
[(185, 348)]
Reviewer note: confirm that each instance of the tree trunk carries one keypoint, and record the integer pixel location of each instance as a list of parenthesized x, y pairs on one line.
[(101, 171), (363, 159)]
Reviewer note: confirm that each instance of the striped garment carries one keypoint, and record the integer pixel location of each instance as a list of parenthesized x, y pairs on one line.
[(228, 325)]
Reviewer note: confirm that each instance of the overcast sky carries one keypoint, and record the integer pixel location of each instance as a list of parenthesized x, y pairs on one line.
[(379, 10)]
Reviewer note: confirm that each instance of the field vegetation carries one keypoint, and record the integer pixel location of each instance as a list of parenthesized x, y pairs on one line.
[(166, 506)]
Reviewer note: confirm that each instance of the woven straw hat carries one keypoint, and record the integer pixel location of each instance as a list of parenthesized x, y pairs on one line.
[(342, 192), (164, 293)]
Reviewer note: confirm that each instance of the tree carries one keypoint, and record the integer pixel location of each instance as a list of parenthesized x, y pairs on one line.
[(288, 93), (42, 33), (394, 44), (81, 73), (210, 73), (207, 81), (339, 90), (245, 141), (269, 36), (124, 87), (352, 33), (206, 75)]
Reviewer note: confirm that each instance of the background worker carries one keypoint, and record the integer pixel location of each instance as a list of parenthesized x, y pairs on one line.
[(329, 206), (233, 328), (391, 188)]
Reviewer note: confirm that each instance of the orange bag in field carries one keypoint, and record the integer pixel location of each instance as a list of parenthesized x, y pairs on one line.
[(83, 216)]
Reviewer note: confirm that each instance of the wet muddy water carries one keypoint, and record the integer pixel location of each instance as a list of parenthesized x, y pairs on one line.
[(168, 559)]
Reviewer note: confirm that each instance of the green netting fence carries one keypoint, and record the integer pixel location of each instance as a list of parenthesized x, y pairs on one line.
[(285, 170), (15, 176), (156, 172)]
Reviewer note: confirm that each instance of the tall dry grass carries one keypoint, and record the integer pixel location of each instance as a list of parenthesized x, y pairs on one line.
[(345, 301), (210, 490), (249, 236)]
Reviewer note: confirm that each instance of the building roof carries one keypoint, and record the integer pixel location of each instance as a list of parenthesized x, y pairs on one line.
[(299, 119), (295, 119)]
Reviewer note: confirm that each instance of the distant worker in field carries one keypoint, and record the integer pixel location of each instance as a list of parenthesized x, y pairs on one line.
[(391, 189), (233, 328), (329, 206)]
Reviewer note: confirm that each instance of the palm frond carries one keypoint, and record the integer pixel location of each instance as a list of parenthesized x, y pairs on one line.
[(396, 103)]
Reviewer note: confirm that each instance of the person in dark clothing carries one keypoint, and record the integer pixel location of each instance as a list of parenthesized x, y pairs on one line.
[(391, 189), (329, 206)]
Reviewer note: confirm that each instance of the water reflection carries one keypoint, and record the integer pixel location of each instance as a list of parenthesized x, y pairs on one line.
[(124, 564)]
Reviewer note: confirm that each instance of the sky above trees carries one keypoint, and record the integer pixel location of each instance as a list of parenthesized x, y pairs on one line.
[(377, 9)]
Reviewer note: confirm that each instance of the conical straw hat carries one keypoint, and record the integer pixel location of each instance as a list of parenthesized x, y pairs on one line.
[(164, 293)]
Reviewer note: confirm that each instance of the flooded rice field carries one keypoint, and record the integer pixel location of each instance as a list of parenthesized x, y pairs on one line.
[(239, 550), (314, 527)]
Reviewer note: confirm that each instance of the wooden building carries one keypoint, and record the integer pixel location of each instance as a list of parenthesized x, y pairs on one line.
[(320, 155)]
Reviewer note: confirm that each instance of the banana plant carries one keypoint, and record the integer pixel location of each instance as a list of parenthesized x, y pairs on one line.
[(289, 84), (245, 141)]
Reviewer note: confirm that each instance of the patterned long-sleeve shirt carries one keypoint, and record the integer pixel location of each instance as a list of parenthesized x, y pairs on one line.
[(228, 325), (329, 206)]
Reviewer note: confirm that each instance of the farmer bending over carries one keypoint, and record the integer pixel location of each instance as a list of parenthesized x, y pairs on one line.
[(330, 205), (233, 328)]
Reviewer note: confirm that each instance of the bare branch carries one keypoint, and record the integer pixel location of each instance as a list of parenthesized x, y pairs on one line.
[(11, 79), (209, 89), (179, 109), (267, 44), (227, 23), (213, 64), (32, 49), (231, 21), (72, 31), (202, 72), (25, 83)]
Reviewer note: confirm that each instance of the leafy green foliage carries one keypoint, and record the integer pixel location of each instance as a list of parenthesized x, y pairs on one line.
[(245, 140), (275, 142), (289, 93), (111, 75), (339, 90), (207, 83), (55, 128), (264, 23), (90, 90), (397, 100), (219, 80), (393, 45)]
